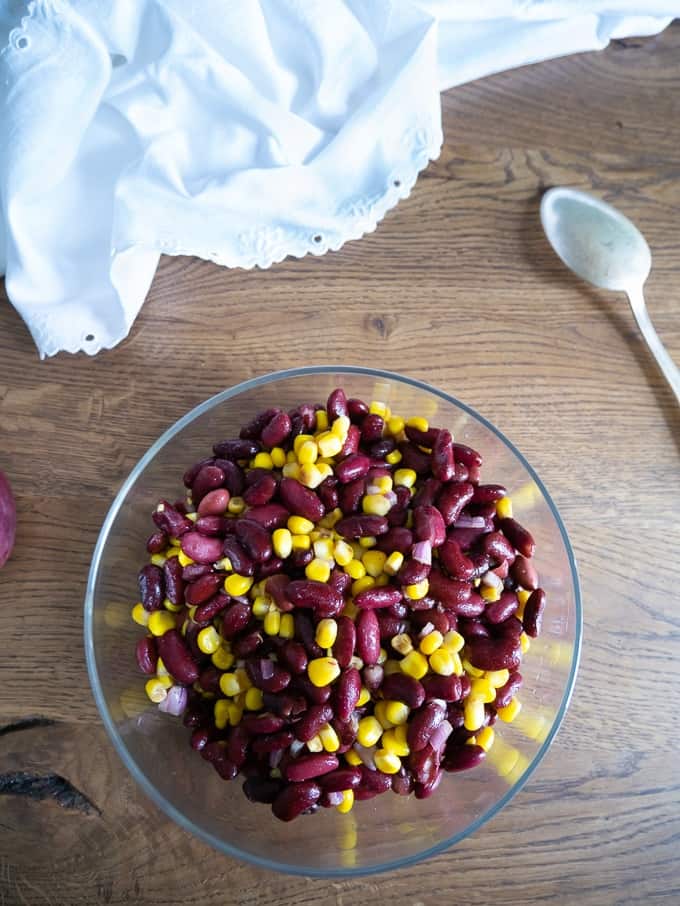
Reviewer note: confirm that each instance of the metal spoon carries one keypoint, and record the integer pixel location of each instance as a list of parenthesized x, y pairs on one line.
[(603, 247)]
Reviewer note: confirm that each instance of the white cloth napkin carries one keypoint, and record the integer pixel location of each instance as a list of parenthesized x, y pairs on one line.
[(240, 131)]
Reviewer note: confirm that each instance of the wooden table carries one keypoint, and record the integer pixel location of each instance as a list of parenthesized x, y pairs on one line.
[(458, 287)]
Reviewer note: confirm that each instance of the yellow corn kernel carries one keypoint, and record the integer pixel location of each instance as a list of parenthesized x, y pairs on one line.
[(156, 689), (524, 643), (291, 470), (311, 476), (329, 738), (394, 457), (504, 508), (364, 696), (236, 505), (208, 640), (396, 712), (473, 714), (301, 542), (183, 559), (221, 713), (287, 626), (510, 711), (374, 561), (473, 671), (272, 622), (254, 699), (192, 516), (489, 593), (318, 570), (326, 633), (382, 656), (391, 743), (442, 662), (161, 669), (380, 713), (383, 483), (235, 713), (192, 612), (431, 642), (278, 455), (314, 744), (522, 596), (173, 608), (395, 425), (323, 670), (352, 758), (405, 478), (223, 659), (307, 453), (367, 542), (139, 615), (362, 584), (343, 555), (369, 731), (535, 726), (409, 515), (485, 738), (329, 444), (382, 580), (358, 550), (237, 585), (347, 801), (263, 461), (418, 422), (393, 563), (375, 505), (418, 590), (503, 757), (391, 665), (402, 643), (332, 518), (242, 679), (160, 621), (298, 525), (166, 680), (377, 407), (157, 559), (282, 542), (300, 440), (261, 606), (321, 420), (340, 426), (458, 668), (497, 678), (323, 548), (482, 689), (414, 664), (453, 641), (229, 684), (350, 610), (386, 761)]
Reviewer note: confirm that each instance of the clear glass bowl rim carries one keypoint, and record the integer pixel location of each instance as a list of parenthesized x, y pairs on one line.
[(142, 780)]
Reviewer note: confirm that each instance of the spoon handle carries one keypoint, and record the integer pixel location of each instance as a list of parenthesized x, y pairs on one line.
[(668, 367)]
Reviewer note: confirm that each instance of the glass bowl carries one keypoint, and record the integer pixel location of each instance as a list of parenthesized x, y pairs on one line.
[(383, 833)]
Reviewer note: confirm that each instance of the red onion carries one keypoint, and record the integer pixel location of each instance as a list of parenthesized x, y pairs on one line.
[(422, 552), (440, 735), (426, 630), (175, 701), (275, 758), (366, 755), (491, 580), (470, 522)]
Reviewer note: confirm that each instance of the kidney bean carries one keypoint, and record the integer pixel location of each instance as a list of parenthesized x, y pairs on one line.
[(146, 654), (304, 631), (378, 596), (341, 779), (396, 539), (497, 547), (372, 677), (237, 746), (357, 409), (170, 520), (270, 515), (201, 548), (443, 466), (402, 783), (495, 654), (174, 584), (469, 457), (351, 444), (454, 560), (276, 586), (503, 570), (533, 612), (524, 573), (295, 799), (336, 405), (463, 758), (270, 567), (511, 627), (349, 496), (449, 592), (423, 724), (368, 635), (208, 479), (438, 618), (403, 688), (346, 693), (261, 491), (191, 473), (234, 477), (427, 493), (502, 609), (507, 692), (209, 679), (151, 587), (471, 627), (248, 644), (488, 493), (379, 449), (425, 790), (518, 536), (361, 794), (414, 458), (345, 641), (299, 500), (317, 695), (157, 542), (255, 539), (267, 675), (235, 620), (399, 610), (353, 467), (276, 430), (315, 595), (329, 799), (299, 559), (374, 780), (390, 626), (236, 449), (429, 525), (213, 525), (447, 688), (340, 581), (466, 537), (307, 767), (292, 655), (283, 704), (253, 475), (241, 562), (194, 571), (372, 428), (328, 493), (258, 724), (199, 739), (312, 720), (422, 764), (214, 503), (262, 789), (453, 499), (347, 730), (176, 657), (208, 610)]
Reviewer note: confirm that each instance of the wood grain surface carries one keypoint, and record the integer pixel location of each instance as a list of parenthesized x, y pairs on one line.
[(458, 287)]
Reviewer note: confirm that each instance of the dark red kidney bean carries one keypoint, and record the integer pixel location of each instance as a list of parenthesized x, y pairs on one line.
[(502, 609), (488, 493), (391, 626), (402, 783), (380, 448), (299, 500), (378, 596), (237, 746), (170, 520), (495, 654), (267, 675), (235, 620), (209, 679), (292, 655), (317, 695), (151, 587), (174, 583), (427, 493), (347, 729), (372, 677), (194, 571), (454, 560), (307, 767), (438, 618), (288, 706), (368, 635), (443, 466), (315, 595), (423, 723), (258, 724), (176, 657), (234, 477), (422, 764), (201, 548), (503, 570), (403, 688), (270, 567), (463, 758), (512, 627), (467, 455), (497, 547), (311, 721), (341, 779), (328, 493), (307, 412), (262, 789), (271, 515), (214, 503), (304, 631), (466, 537), (191, 473), (533, 612), (507, 692), (236, 449), (212, 525), (518, 536), (254, 475), (399, 610), (248, 644), (209, 609), (396, 539), (425, 790), (357, 409), (414, 458), (429, 525), (447, 688), (255, 539), (276, 430), (372, 428), (146, 654), (191, 640), (224, 767), (294, 799), (524, 573), (460, 472), (349, 496), (351, 444), (157, 542), (276, 586), (352, 467), (340, 581), (346, 693), (345, 641), (208, 479), (449, 592), (299, 559), (453, 499), (336, 405), (240, 560), (422, 438), (261, 491), (374, 780), (362, 795), (471, 626), (199, 739)]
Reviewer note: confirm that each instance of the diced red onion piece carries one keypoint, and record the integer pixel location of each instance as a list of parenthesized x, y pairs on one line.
[(175, 701), (422, 552)]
